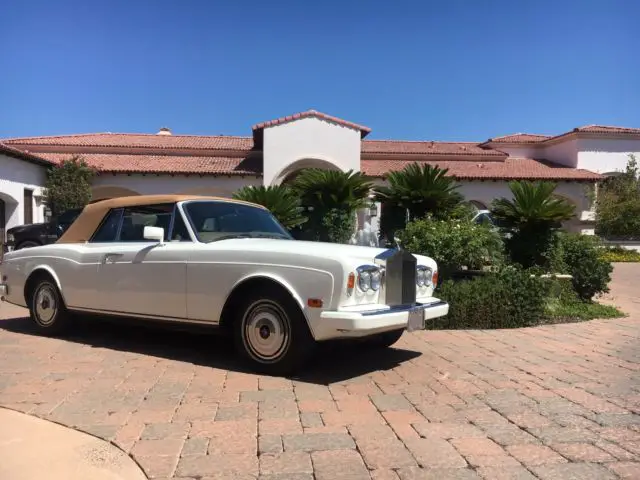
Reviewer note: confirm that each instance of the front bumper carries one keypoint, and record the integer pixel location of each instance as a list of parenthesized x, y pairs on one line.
[(361, 322)]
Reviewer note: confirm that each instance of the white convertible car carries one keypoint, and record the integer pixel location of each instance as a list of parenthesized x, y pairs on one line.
[(224, 263)]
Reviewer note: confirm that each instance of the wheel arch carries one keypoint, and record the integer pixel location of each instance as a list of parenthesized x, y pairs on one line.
[(37, 272), (257, 280)]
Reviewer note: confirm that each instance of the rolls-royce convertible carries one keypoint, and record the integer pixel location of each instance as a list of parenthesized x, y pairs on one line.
[(223, 263)]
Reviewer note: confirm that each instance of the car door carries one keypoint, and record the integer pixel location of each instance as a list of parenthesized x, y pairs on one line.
[(141, 277)]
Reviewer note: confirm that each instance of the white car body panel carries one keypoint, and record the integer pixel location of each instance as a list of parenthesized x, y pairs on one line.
[(190, 281)]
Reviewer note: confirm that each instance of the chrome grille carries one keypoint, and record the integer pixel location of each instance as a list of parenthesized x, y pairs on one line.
[(399, 286)]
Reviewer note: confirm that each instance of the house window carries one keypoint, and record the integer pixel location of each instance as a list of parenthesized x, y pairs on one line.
[(28, 206)]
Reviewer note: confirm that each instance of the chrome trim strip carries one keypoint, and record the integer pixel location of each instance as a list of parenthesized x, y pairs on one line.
[(403, 308), (142, 316)]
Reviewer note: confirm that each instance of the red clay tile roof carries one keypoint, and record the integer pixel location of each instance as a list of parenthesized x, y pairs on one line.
[(140, 140), (457, 149), (607, 129), (530, 138), (16, 153), (519, 138), (315, 114), (166, 164), (228, 155), (510, 169)]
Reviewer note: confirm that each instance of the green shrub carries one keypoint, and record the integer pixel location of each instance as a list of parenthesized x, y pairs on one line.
[(618, 204), (507, 298), (619, 254), (564, 305), (531, 218), (68, 185), (582, 256), (453, 244), (338, 226)]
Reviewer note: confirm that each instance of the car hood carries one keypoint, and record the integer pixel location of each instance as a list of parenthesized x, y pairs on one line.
[(347, 254), (25, 228)]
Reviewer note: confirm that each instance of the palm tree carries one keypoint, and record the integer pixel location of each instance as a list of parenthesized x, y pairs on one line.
[(531, 218), (281, 200), (421, 189), (329, 189), (331, 197)]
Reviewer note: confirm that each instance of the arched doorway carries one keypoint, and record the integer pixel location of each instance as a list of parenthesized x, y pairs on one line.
[(9, 214), (291, 171), (3, 221)]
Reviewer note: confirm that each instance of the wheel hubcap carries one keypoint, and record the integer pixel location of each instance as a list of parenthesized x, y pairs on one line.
[(266, 331), (45, 305)]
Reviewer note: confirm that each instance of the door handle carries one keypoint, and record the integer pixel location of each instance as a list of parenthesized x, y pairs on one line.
[(111, 257)]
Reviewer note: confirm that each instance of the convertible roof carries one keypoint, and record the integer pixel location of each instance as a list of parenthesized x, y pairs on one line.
[(88, 221)]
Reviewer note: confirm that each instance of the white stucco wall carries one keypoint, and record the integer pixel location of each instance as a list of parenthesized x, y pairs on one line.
[(294, 143), (167, 184), (564, 153), (16, 176), (486, 192), (525, 151), (606, 156)]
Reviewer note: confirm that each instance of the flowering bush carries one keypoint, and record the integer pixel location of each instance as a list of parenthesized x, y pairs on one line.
[(619, 254), (454, 243)]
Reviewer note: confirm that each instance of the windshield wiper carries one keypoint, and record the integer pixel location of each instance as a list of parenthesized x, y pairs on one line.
[(269, 235), (232, 235), (250, 235)]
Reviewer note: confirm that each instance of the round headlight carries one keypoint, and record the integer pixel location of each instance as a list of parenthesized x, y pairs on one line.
[(364, 281), (420, 277), (375, 279), (428, 274)]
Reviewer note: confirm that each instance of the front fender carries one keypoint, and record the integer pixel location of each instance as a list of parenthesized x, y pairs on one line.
[(308, 286), (276, 278)]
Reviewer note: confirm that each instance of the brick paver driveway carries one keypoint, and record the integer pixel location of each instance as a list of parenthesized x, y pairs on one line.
[(558, 402)]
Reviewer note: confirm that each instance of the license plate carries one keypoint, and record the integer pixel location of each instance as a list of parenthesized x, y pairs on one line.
[(416, 319)]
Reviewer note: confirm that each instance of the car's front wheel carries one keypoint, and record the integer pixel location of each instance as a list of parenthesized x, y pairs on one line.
[(272, 333), (47, 308)]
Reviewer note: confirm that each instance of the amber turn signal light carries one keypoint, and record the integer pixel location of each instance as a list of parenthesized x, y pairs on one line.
[(434, 279), (314, 302)]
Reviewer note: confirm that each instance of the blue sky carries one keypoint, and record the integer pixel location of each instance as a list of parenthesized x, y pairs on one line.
[(432, 70)]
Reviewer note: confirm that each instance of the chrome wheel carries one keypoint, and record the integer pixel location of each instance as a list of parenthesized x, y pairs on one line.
[(45, 304), (266, 331)]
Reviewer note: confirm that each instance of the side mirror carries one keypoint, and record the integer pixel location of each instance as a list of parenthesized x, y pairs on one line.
[(154, 233)]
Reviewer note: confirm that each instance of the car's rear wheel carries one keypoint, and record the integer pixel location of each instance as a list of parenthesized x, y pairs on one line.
[(47, 308), (271, 332), (383, 340)]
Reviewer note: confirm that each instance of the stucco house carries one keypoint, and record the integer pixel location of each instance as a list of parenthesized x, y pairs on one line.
[(132, 163)]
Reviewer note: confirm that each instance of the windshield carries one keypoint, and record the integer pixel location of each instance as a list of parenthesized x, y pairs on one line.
[(213, 221)]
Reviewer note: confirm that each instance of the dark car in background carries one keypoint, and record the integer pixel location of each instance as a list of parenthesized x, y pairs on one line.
[(35, 234)]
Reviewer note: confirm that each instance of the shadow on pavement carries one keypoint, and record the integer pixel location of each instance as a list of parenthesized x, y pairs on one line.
[(332, 362)]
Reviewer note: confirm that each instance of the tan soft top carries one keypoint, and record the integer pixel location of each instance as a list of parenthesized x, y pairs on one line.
[(91, 216)]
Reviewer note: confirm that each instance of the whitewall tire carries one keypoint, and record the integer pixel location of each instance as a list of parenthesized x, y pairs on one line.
[(271, 332), (46, 307)]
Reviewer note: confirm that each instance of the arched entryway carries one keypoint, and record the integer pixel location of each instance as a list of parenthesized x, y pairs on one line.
[(3, 221), (8, 214), (291, 171)]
